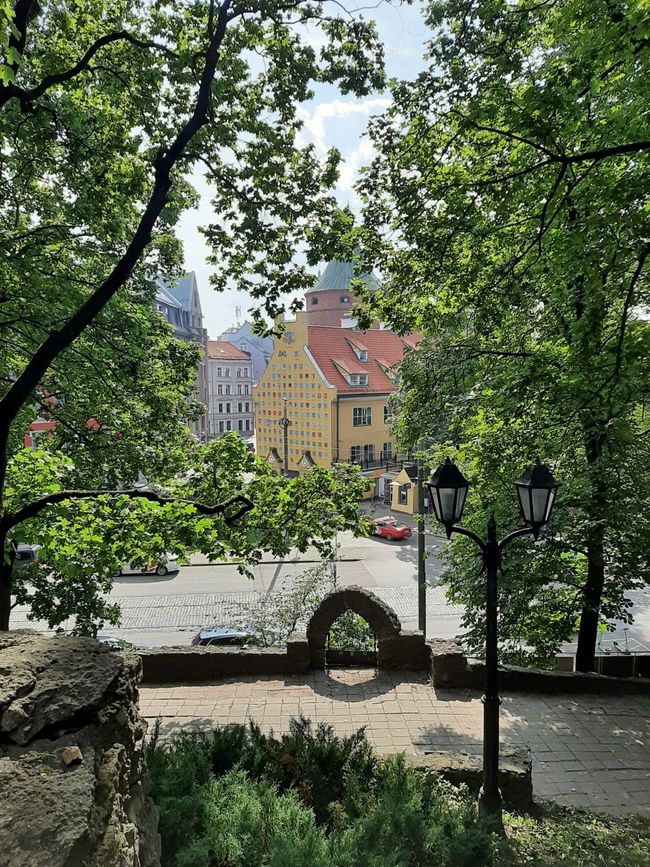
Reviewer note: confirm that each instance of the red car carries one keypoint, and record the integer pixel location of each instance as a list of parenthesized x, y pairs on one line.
[(388, 528)]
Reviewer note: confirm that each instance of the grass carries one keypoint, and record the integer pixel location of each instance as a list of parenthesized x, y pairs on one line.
[(554, 836)]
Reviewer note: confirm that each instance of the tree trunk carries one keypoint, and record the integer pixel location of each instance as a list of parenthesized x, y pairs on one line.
[(6, 569), (588, 633), (593, 590)]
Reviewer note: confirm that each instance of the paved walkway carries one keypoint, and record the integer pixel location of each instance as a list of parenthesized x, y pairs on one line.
[(590, 751), (196, 610)]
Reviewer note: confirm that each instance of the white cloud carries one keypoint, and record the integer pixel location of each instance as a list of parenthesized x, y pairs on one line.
[(338, 109)]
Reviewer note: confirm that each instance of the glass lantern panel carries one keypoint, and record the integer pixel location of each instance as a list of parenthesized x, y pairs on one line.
[(549, 505), (447, 501), (523, 493), (539, 498), (460, 503)]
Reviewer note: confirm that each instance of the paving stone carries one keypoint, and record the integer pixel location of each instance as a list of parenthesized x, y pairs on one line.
[(590, 752)]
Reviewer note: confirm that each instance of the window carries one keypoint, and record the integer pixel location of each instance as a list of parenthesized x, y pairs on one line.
[(226, 371), (248, 424), (220, 407), (221, 427), (246, 388), (227, 389), (220, 389), (386, 414), (239, 407), (386, 450), (356, 378), (355, 454), (219, 373), (228, 425), (314, 300), (344, 299), (239, 391), (240, 425), (361, 416), (239, 372), (403, 495), (248, 407), (368, 453), (228, 407)]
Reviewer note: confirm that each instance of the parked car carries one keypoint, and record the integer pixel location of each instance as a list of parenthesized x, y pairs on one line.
[(116, 643), (26, 556), (389, 528), (224, 635), (166, 568)]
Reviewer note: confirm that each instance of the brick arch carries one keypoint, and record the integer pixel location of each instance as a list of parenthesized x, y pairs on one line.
[(380, 617)]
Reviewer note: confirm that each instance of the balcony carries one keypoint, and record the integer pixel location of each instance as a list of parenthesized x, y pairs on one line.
[(386, 460)]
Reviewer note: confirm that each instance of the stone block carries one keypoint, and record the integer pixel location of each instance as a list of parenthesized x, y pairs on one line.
[(515, 773), (72, 770)]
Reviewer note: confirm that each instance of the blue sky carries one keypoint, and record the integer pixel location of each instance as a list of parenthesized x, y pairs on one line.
[(330, 120)]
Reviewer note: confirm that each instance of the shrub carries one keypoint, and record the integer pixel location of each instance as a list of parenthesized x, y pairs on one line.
[(351, 632), (239, 797)]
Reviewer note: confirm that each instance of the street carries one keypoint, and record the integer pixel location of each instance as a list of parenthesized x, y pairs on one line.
[(171, 609)]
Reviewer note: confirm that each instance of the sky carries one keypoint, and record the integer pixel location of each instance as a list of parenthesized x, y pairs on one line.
[(330, 120)]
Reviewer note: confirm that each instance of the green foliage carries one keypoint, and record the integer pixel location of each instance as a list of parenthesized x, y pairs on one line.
[(576, 839), (94, 96), (237, 797), (306, 798), (84, 542), (508, 212), (351, 632)]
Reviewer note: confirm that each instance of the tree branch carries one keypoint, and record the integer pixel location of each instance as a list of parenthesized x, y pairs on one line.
[(12, 91), (60, 339), (33, 510)]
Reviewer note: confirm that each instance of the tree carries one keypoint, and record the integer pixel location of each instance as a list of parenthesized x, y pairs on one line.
[(508, 209), (85, 535), (105, 110)]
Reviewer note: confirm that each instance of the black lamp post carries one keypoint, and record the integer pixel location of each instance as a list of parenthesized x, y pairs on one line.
[(536, 490)]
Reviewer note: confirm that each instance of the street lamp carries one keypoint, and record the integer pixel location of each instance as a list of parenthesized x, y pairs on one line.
[(536, 491)]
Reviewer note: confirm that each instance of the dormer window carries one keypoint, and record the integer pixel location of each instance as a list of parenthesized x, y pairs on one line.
[(359, 350), (358, 378)]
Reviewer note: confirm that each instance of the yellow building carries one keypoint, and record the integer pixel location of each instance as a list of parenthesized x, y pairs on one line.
[(334, 383)]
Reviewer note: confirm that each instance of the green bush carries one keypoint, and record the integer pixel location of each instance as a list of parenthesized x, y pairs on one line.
[(239, 797), (351, 632)]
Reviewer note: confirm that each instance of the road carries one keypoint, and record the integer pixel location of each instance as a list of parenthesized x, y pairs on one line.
[(167, 610), (171, 609)]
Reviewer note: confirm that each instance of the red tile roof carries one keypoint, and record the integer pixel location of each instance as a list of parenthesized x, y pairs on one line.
[(225, 350), (328, 344)]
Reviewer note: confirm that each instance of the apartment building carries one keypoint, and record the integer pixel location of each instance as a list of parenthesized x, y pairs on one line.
[(230, 390), (179, 303), (335, 383), (259, 348)]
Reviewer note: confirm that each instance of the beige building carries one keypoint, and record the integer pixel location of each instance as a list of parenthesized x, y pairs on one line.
[(334, 383)]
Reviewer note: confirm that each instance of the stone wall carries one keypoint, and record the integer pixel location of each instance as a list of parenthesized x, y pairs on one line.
[(451, 669), (72, 771), (515, 773), (397, 648)]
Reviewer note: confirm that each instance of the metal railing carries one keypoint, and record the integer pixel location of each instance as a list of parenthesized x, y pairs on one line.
[(384, 460)]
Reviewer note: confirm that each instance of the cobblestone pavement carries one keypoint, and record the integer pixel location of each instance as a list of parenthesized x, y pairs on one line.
[(588, 751), (195, 610)]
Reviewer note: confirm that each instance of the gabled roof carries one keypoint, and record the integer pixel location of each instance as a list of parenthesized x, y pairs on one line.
[(220, 349), (330, 347), (183, 289), (337, 275), (164, 295), (350, 366)]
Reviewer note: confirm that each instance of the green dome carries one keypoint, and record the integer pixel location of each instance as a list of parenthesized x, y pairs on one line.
[(338, 275)]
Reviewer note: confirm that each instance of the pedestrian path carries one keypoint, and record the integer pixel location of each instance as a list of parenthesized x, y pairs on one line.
[(589, 751), (196, 610)]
